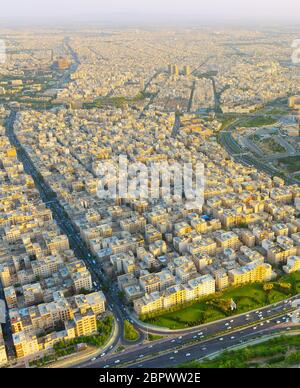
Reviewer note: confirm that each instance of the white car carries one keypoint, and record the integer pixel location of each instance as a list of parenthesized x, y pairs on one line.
[(188, 355), (93, 359), (102, 355), (175, 351), (232, 337), (117, 361), (221, 339), (254, 328), (171, 358)]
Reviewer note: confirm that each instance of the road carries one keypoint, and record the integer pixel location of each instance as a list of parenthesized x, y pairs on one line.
[(115, 304), (77, 244), (189, 340), (241, 156)]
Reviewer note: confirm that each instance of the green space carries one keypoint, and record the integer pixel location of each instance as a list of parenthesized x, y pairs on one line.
[(218, 306), (130, 334), (269, 145), (68, 347), (117, 102), (226, 121), (291, 164), (154, 337), (280, 352), (259, 121)]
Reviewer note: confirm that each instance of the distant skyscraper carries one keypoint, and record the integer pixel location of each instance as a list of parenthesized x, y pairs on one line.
[(187, 70), (173, 70)]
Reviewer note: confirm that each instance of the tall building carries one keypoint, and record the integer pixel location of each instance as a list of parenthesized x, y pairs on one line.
[(173, 70), (187, 70)]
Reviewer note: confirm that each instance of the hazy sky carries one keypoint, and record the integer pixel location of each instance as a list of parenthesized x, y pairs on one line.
[(239, 11)]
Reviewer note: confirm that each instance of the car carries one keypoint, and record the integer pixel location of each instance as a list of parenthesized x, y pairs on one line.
[(200, 333), (204, 348), (268, 321), (261, 324), (268, 311), (106, 366), (226, 324), (229, 328), (150, 347), (221, 339), (254, 328), (194, 337), (172, 358), (180, 337), (117, 361), (231, 321), (278, 322), (93, 359), (173, 340), (188, 355), (141, 356), (288, 328), (232, 337), (261, 318), (102, 355), (175, 351), (111, 346)]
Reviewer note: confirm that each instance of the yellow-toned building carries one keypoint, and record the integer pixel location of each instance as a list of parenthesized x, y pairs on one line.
[(85, 325), (292, 265), (25, 344), (250, 273)]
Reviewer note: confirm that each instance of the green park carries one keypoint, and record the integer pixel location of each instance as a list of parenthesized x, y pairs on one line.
[(218, 306)]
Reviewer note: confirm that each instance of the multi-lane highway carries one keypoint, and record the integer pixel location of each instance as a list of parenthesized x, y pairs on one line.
[(245, 157), (198, 341)]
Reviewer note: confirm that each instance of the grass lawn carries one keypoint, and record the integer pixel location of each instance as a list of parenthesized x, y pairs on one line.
[(248, 297), (291, 164), (259, 122), (130, 333), (278, 352)]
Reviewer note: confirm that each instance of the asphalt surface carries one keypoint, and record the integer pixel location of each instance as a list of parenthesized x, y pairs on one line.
[(194, 340), (245, 157)]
